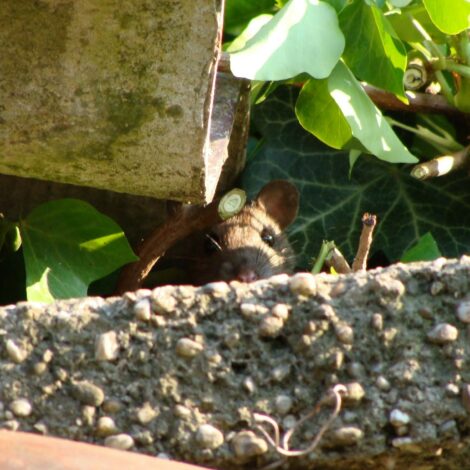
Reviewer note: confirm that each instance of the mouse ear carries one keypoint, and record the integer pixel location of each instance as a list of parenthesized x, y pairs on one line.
[(280, 200)]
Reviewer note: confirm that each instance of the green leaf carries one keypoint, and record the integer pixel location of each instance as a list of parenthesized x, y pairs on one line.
[(252, 28), (400, 3), (331, 203), (318, 113), (302, 37), (425, 250), (68, 244), (451, 16), (367, 123), (372, 52), (238, 13)]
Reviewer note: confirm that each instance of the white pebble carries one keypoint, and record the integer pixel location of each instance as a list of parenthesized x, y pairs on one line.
[(249, 385), (107, 346), (281, 311), (279, 373), (345, 334), (270, 327), (186, 347), (119, 441), (463, 311), (303, 284), (399, 418), (346, 435), (443, 333), (146, 414), (15, 353), (182, 412), (283, 404), (143, 310), (21, 407), (354, 392), (106, 427), (209, 437), (247, 444), (382, 383)]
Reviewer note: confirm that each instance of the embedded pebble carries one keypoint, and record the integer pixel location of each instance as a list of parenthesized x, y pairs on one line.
[(209, 437), (146, 414), (47, 356), (39, 368), (443, 333), (270, 327), (345, 334), (186, 347), (232, 339), (143, 438), (41, 428), (281, 311), (88, 414), (463, 310), (248, 310), (106, 427), (377, 321), (399, 418), (15, 353), (217, 288), (162, 301), (21, 407), (356, 370), (279, 373), (283, 404), (382, 383), (88, 393), (452, 390), (249, 385), (354, 392), (143, 310), (182, 412), (437, 287), (247, 444), (289, 422), (119, 441), (346, 436), (112, 406), (107, 346), (406, 444), (303, 284)]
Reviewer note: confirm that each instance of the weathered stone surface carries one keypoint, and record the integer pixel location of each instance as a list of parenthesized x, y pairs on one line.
[(383, 372), (109, 94)]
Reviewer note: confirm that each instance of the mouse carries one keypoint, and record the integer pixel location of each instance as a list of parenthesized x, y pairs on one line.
[(252, 244)]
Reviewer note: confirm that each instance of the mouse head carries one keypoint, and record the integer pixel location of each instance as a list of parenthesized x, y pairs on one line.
[(251, 245)]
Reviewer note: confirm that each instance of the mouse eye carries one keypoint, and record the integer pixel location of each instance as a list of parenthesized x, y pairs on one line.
[(211, 243), (268, 237)]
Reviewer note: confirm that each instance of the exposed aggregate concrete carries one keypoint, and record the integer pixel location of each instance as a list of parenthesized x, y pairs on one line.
[(180, 371)]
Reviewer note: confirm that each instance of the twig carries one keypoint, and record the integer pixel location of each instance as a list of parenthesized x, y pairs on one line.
[(418, 102), (442, 165), (337, 261), (282, 446), (369, 222), (181, 223)]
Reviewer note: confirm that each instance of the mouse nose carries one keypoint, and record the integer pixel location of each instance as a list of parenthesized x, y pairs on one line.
[(247, 275)]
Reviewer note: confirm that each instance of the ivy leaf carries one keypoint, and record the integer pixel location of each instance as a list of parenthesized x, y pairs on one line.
[(251, 29), (451, 16), (303, 36), (372, 52), (331, 203), (67, 245), (367, 123), (425, 250), (318, 113)]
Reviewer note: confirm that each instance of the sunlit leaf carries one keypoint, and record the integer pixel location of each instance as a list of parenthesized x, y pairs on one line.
[(304, 36), (67, 245), (450, 16), (425, 250)]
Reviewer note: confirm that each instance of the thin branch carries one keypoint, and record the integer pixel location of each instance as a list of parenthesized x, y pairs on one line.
[(441, 165), (369, 222)]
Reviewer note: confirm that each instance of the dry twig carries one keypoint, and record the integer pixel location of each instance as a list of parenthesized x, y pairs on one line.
[(369, 222)]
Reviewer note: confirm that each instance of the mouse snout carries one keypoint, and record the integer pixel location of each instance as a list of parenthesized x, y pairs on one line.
[(247, 275)]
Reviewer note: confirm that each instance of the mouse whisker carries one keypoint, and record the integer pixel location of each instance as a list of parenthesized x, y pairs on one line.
[(214, 241)]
